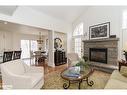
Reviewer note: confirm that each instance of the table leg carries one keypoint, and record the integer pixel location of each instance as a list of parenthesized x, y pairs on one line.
[(66, 86), (90, 83), (79, 84)]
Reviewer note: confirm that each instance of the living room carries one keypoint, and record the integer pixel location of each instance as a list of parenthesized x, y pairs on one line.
[(84, 49)]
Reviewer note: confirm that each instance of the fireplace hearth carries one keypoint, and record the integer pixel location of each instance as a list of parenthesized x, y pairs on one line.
[(98, 55)]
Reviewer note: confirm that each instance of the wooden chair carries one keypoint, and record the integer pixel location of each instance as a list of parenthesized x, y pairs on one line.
[(122, 63), (7, 56), (17, 55)]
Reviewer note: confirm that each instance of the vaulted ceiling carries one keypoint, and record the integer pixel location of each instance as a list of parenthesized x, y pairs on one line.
[(66, 13), (63, 13), (8, 10)]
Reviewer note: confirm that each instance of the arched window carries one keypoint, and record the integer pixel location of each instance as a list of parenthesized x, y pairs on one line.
[(78, 31), (77, 34)]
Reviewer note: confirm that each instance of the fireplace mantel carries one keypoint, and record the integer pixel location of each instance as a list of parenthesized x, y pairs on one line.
[(102, 40)]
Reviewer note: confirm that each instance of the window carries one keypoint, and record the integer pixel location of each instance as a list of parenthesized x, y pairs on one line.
[(78, 46), (78, 30), (77, 34), (124, 25), (33, 45), (124, 33), (25, 49), (27, 46)]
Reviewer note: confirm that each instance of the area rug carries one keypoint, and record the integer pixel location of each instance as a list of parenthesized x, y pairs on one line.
[(54, 81)]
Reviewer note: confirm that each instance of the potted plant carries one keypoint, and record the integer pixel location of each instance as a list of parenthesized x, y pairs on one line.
[(125, 53), (82, 63), (85, 58)]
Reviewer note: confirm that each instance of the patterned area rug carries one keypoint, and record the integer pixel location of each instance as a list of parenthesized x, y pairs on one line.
[(54, 81)]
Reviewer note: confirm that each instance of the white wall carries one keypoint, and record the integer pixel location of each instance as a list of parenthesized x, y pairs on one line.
[(6, 41), (96, 15)]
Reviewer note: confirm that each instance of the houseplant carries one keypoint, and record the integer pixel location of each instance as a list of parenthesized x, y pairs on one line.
[(125, 53), (82, 63)]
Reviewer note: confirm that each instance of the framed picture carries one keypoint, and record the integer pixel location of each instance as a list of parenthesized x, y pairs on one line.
[(99, 31)]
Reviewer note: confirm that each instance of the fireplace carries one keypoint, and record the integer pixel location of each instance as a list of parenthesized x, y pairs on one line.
[(98, 55)]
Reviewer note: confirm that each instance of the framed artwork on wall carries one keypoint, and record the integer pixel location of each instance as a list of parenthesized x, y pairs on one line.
[(99, 31)]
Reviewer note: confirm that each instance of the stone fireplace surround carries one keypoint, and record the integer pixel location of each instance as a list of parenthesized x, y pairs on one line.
[(112, 52)]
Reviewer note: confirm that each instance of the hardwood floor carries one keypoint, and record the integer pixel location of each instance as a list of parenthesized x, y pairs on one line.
[(47, 69)]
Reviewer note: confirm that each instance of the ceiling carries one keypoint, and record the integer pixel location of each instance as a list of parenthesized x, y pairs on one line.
[(19, 28), (66, 13)]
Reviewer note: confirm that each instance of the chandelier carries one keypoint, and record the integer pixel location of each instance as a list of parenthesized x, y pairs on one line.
[(40, 41)]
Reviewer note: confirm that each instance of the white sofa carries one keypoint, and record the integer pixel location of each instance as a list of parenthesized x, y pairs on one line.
[(116, 81), (17, 75)]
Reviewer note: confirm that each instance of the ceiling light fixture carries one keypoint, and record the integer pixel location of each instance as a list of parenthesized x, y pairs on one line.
[(40, 41)]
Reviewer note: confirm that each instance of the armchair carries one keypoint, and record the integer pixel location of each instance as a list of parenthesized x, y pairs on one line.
[(17, 75), (73, 58)]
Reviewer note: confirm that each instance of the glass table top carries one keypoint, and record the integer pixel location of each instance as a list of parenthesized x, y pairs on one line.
[(76, 72)]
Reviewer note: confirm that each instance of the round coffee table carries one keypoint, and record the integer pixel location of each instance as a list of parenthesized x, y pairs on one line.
[(76, 74)]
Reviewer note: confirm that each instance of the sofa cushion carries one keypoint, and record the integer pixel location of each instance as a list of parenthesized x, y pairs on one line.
[(35, 78), (116, 84), (14, 66), (123, 71), (116, 75)]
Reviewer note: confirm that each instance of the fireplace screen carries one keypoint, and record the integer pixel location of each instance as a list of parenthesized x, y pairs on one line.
[(98, 55)]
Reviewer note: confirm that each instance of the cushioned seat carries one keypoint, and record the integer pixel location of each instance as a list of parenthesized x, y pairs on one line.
[(116, 75), (35, 77), (116, 84), (116, 81)]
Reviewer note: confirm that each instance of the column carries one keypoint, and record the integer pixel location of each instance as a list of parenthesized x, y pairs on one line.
[(51, 49)]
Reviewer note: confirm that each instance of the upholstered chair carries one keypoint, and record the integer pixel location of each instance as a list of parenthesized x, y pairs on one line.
[(72, 58), (18, 75)]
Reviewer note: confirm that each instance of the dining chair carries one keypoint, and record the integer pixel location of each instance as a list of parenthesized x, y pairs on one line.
[(7, 56), (17, 55)]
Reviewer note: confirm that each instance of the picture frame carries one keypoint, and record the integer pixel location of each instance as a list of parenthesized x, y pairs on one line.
[(99, 31)]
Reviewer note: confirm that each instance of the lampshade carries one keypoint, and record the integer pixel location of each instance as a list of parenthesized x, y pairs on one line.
[(125, 47)]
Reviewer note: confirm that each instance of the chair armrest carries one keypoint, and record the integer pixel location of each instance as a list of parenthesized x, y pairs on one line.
[(69, 62), (122, 63)]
